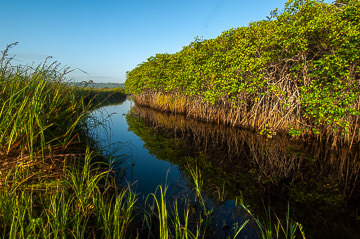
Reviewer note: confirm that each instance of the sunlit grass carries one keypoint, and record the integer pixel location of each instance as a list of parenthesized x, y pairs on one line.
[(76, 206), (53, 184), (269, 229)]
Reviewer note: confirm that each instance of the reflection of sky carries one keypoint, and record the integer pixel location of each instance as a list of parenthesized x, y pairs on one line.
[(148, 172), (146, 169)]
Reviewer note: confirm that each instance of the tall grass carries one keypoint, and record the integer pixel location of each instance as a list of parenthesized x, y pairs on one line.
[(268, 229), (76, 206), (162, 212), (39, 114), (52, 183)]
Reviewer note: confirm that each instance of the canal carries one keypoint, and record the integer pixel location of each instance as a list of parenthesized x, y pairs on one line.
[(316, 184)]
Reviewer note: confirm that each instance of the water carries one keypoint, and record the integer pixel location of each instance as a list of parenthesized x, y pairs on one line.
[(320, 185), (143, 169)]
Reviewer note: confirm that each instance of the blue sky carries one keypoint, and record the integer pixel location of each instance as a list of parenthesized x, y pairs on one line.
[(109, 37)]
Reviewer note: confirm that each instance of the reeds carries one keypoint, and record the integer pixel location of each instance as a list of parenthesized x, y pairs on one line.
[(269, 115), (279, 229), (76, 206), (37, 109), (52, 184)]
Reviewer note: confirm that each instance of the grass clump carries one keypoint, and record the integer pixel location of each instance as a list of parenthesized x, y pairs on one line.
[(268, 229), (76, 206), (39, 114)]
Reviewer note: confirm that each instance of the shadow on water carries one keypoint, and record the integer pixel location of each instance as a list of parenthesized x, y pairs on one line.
[(149, 148), (321, 185)]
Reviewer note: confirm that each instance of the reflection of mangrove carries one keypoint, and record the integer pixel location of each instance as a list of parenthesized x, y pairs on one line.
[(238, 162), (273, 160)]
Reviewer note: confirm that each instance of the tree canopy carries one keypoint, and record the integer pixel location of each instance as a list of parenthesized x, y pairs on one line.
[(304, 59)]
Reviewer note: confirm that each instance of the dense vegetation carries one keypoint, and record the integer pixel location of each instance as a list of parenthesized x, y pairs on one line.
[(50, 186), (55, 184), (296, 72), (103, 96)]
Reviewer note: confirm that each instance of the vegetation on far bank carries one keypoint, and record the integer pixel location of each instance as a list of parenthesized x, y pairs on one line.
[(296, 72), (54, 184), (103, 96), (100, 85)]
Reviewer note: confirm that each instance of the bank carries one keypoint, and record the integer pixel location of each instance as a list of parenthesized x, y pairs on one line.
[(295, 73)]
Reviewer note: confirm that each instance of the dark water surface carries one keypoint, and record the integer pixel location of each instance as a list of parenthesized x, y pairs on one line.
[(319, 185), (129, 151)]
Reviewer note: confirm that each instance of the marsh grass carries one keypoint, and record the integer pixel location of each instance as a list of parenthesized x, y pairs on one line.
[(40, 116), (77, 206), (54, 185), (174, 221), (159, 204), (268, 229), (103, 96)]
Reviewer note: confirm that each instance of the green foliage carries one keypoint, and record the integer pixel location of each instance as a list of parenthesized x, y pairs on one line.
[(269, 229), (37, 109), (77, 205), (304, 60), (49, 185)]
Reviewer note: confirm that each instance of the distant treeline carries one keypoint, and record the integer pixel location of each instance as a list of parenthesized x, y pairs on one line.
[(297, 72), (100, 85)]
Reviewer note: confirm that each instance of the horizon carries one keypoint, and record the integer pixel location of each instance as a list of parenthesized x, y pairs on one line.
[(102, 41)]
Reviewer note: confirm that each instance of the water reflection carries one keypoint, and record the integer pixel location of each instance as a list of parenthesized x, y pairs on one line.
[(127, 151), (156, 149), (321, 185)]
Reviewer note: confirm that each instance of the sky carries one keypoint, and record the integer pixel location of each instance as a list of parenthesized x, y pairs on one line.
[(101, 40)]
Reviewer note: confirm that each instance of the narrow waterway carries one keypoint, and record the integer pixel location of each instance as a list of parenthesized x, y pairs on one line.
[(149, 148), (127, 150)]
